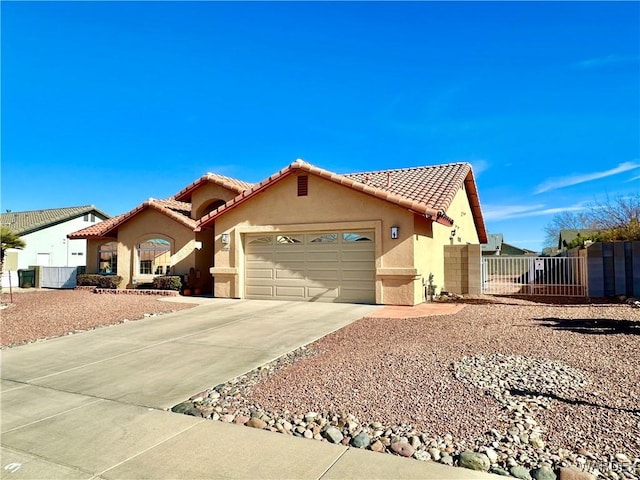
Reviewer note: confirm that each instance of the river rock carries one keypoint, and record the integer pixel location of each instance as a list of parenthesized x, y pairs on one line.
[(535, 441), (421, 455), (520, 472), (256, 423), (572, 473), (491, 453), (446, 459), (499, 471), (403, 448), (186, 408), (377, 446), (361, 440), (333, 435), (474, 461), (435, 453), (543, 473)]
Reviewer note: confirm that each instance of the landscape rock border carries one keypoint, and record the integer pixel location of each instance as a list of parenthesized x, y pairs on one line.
[(520, 451)]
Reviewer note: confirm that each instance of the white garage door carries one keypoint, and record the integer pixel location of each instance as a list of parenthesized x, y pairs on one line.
[(334, 266)]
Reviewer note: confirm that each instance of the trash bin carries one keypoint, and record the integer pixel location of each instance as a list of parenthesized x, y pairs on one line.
[(26, 278)]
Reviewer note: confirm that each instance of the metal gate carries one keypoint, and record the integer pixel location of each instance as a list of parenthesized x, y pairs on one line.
[(58, 277), (565, 276)]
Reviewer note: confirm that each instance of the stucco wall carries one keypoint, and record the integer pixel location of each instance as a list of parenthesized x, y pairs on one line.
[(431, 238), (205, 195), (327, 206), (151, 224)]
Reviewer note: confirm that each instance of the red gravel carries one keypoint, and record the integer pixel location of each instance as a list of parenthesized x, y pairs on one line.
[(396, 371), (38, 314)]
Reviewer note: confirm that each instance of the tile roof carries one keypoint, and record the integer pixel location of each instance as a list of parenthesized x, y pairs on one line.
[(24, 223), (178, 211), (434, 186), (232, 184), (427, 191)]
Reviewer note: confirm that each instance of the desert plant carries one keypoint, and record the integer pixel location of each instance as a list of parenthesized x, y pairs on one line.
[(171, 282), (9, 239), (100, 281)]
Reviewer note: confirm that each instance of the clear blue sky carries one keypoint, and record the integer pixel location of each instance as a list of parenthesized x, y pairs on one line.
[(111, 103)]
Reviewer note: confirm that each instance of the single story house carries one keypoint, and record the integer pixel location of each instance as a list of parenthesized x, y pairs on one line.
[(496, 246), (303, 234), (45, 234)]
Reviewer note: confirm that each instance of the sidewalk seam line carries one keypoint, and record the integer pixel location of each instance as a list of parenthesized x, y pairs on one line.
[(149, 448), (334, 462), (54, 415)]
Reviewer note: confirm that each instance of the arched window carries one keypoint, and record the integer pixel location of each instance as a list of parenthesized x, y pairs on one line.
[(154, 257), (108, 258)]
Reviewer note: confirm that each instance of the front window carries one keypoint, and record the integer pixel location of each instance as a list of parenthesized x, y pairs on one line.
[(154, 257), (108, 262)]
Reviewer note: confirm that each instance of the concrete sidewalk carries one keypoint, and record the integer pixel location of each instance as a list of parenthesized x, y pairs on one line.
[(93, 405)]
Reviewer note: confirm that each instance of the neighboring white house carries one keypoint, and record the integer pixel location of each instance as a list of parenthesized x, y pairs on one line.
[(45, 233)]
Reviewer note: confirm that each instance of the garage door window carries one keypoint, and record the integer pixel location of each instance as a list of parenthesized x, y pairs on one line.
[(266, 240), (355, 237), (324, 238), (289, 239)]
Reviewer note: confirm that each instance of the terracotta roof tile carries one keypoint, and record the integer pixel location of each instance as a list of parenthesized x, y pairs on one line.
[(24, 223), (232, 184), (434, 186), (178, 211)]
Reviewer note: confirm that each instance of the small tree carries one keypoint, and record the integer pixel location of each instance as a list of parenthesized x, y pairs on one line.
[(615, 219), (9, 239)]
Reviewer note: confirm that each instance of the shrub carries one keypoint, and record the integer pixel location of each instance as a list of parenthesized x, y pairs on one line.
[(167, 283), (100, 281)]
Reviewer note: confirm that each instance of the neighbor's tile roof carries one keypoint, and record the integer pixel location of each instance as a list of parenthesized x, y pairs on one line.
[(24, 223), (178, 211), (229, 183), (427, 191)]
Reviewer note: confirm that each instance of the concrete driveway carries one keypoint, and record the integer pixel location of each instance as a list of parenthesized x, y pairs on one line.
[(160, 361)]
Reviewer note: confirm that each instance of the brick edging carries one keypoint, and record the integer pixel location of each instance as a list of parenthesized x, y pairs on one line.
[(129, 291)]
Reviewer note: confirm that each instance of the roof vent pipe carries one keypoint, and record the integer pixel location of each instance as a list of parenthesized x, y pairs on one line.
[(388, 179)]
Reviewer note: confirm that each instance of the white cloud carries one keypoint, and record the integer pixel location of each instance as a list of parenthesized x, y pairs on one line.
[(555, 183), (497, 212), (633, 179), (608, 60), (479, 166)]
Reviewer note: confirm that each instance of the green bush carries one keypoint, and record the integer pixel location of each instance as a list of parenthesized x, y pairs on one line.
[(100, 281), (167, 283)]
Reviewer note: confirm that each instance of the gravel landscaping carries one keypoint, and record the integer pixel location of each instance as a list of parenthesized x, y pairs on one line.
[(39, 314), (518, 387)]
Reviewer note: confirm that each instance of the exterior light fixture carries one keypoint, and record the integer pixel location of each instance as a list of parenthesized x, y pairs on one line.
[(453, 233), (224, 238), (395, 231)]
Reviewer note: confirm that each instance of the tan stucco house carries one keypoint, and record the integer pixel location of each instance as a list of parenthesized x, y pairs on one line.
[(303, 234)]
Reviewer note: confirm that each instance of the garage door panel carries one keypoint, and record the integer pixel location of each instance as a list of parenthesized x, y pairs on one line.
[(316, 256), (323, 274), (321, 292), (259, 257), (357, 256), (259, 273), (286, 257), (290, 291), (260, 291), (287, 274)]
